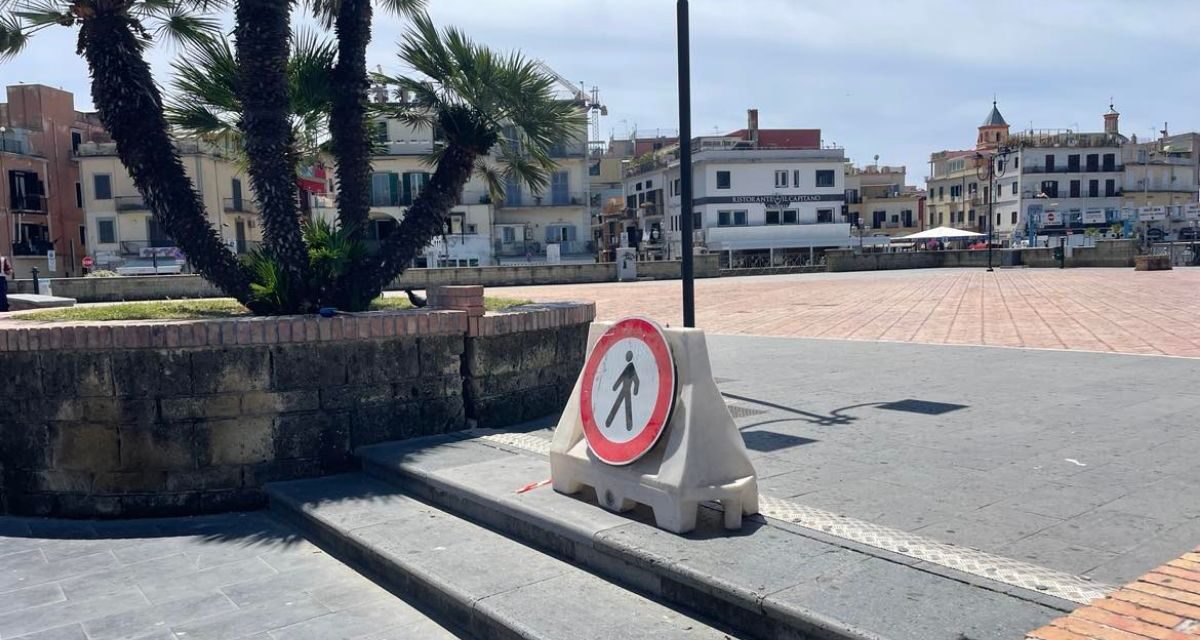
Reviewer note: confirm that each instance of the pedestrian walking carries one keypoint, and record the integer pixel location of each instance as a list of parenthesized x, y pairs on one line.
[(6, 272)]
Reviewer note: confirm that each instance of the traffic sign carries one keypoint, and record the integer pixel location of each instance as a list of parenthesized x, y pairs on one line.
[(627, 391), (88, 262)]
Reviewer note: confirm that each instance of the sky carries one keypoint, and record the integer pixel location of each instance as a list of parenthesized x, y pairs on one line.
[(897, 79)]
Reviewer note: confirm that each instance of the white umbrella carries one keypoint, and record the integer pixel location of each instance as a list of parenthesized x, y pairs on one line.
[(938, 233)]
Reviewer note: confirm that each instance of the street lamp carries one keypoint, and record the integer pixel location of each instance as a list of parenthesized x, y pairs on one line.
[(989, 168)]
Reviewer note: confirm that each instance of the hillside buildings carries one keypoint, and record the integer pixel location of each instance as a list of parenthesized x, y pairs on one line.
[(762, 197), (41, 197)]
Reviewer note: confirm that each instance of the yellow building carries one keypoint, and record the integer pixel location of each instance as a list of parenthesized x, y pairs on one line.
[(122, 233), (879, 198)]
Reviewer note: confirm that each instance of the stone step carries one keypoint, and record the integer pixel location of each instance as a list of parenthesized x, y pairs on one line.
[(483, 582), (769, 580)]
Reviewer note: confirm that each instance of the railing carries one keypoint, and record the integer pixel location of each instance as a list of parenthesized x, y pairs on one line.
[(32, 248), (136, 248), (9, 145), (130, 203), (240, 205), (568, 199), (568, 150), (29, 204), (1036, 168)]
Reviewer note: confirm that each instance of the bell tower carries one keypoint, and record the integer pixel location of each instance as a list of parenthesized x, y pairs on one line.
[(993, 132)]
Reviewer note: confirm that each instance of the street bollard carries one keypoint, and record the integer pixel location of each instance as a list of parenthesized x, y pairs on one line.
[(37, 288)]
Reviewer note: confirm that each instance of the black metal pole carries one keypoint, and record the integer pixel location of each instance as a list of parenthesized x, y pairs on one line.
[(991, 209), (685, 163)]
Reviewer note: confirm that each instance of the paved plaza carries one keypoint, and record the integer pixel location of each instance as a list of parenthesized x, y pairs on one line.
[(1117, 310), (1081, 462)]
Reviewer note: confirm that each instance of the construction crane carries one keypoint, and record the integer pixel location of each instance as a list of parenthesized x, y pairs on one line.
[(589, 102)]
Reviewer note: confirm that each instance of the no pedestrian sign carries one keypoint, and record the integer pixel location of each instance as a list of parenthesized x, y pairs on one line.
[(628, 390)]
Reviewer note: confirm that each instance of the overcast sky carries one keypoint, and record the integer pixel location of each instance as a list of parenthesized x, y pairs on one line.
[(895, 78)]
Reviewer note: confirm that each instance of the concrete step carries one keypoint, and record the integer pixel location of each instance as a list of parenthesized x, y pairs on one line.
[(485, 583), (770, 580)]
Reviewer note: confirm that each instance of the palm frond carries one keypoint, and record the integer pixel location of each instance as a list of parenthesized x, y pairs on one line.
[(14, 36), (492, 177), (407, 8), (180, 26)]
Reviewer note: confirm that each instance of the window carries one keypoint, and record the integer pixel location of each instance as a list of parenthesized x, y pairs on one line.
[(1049, 163), (1093, 162), (1050, 188), (638, 187), (824, 177), (82, 235), (1110, 188), (675, 186), (1016, 162), (731, 218), (906, 218), (942, 193), (986, 194), (997, 218), (383, 189), (824, 216), (773, 217), (1073, 163), (1014, 217), (381, 132), (649, 184), (796, 178), (76, 140), (781, 179), (790, 216), (1093, 188), (971, 216), (107, 228), (79, 195), (723, 181), (102, 186), (510, 235), (1074, 189), (1014, 187), (697, 220), (877, 219), (594, 169), (236, 188), (1110, 162)]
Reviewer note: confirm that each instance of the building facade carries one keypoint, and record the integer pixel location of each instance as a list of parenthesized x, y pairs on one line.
[(523, 226), (1032, 183), (879, 202), (761, 197), (41, 207), (123, 234)]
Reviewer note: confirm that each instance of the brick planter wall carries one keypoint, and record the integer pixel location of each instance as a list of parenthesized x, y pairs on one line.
[(163, 418)]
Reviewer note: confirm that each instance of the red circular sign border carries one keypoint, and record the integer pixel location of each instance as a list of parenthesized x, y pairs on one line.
[(620, 454)]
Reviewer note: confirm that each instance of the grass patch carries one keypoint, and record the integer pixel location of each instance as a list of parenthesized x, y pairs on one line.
[(199, 310)]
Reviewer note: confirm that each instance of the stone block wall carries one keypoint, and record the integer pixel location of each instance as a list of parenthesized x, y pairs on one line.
[(175, 418)]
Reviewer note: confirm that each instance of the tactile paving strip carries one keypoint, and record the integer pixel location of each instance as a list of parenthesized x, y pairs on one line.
[(972, 561)]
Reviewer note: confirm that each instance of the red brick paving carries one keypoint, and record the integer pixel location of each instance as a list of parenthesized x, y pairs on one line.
[(1161, 605), (1116, 310)]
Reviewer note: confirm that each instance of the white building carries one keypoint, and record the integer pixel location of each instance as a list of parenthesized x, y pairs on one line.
[(124, 236), (761, 197), (481, 232), (1045, 181)]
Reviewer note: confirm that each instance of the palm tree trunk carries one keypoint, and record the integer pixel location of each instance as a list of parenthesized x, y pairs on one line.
[(131, 109), (425, 220), (350, 143), (263, 33)]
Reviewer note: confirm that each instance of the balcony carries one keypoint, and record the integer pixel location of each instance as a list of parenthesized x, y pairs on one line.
[(1037, 168), (29, 204), (557, 199), (130, 203), (8, 145), (32, 248), (240, 205), (567, 150)]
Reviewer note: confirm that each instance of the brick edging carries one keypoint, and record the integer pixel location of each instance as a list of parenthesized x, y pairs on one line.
[(1163, 604)]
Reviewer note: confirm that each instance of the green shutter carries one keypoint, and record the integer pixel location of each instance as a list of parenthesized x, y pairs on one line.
[(408, 195), (394, 189)]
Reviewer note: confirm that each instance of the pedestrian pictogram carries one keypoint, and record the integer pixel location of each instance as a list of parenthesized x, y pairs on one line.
[(627, 381), (628, 391)]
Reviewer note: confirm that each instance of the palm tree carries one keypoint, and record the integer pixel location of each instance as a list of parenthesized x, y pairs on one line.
[(113, 37), (205, 103), (481, 103), (350, 141)]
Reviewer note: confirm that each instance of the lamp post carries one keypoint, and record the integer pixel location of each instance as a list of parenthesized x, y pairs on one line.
[(989, 168), (685, 163)]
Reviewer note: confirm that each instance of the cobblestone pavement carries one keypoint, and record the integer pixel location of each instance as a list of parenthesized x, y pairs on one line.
[(1115, 310), (213, 577)]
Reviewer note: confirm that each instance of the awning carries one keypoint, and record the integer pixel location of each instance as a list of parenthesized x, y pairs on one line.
[(938, 233)]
